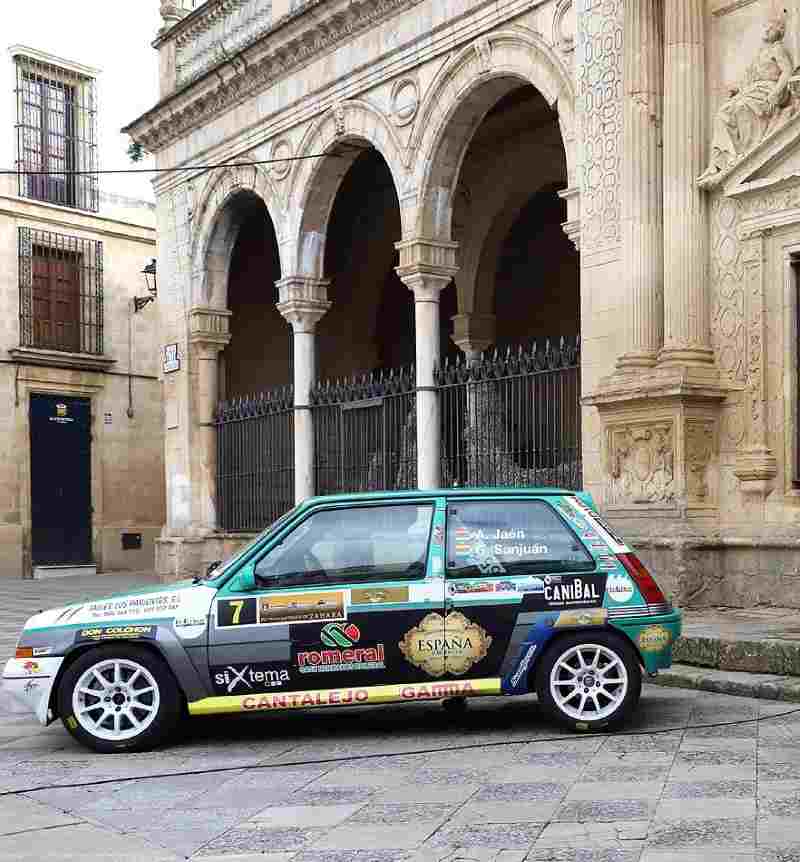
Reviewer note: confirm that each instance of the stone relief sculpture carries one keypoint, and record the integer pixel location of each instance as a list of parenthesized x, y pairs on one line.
[(755, 106)]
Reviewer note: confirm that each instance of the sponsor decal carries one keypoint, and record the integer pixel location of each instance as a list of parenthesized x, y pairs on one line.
[(42, 650), (96, 633), (345, 696), (301, 608), (654, 639), (440, 645), (438, 534), (564, 590), (455, 588), (523, 666), (30, 687), (530, 585), (620, 588), (185, 622), (236, 612), (475, 546), (615, 542), (32, 667), (378, 595), (342, 653), (506, 587), (72, 722), (136, 606), (594, 617), (251, 676)]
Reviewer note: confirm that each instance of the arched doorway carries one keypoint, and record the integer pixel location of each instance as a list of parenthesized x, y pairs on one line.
[(259, 354), (514, 419)]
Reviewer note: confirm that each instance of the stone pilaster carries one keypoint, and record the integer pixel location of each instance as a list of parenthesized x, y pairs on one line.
[(687, 332), (426, 268), (303, 302), (209, 332), (642, 241)]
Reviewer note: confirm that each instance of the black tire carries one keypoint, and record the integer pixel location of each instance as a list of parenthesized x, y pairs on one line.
[(158, 728), (618, 712)]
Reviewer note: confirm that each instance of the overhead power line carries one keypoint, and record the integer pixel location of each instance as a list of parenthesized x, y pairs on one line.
[(23, 171)]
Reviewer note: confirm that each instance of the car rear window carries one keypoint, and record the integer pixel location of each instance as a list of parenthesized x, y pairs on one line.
[(511, 538)]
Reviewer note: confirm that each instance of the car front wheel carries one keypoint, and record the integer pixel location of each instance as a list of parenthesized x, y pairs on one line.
[(589, 682), (119, 698)]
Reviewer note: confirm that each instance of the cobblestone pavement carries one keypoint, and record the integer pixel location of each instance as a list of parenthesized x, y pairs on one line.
[(385, 784)]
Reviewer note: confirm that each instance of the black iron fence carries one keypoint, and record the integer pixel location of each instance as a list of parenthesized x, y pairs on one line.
[(365, 433), (513, 419), (255, 459)]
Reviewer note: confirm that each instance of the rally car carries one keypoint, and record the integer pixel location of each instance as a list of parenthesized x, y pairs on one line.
[(365, 599)]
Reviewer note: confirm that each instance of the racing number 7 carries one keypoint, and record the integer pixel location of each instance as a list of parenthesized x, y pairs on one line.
[(238, 604)]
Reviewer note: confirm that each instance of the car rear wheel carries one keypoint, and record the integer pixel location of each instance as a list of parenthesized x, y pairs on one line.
[(119, 698), (589, 681)]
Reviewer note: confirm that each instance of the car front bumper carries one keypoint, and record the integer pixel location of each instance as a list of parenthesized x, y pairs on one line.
[(30, 681)]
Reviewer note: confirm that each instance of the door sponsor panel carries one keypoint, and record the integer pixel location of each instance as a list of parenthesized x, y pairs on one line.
[(342, 650), (451, 644), (282, 609), (348, 696)]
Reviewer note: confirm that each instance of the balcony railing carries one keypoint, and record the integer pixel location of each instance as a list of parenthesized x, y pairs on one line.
[(220, 30)]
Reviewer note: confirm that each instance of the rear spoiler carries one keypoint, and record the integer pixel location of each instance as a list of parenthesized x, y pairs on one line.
[(586, 498)]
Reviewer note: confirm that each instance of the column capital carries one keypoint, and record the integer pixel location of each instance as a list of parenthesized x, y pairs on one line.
[(209, 328), (303, 301), (426, 266), (473, 332)]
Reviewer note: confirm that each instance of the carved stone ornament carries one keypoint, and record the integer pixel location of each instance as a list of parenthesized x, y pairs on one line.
[(338, 118), (281, 149), (641, 464), (404, 101), (483, 48), (755, 107), (267, 60), (700, 445), (564, 26)]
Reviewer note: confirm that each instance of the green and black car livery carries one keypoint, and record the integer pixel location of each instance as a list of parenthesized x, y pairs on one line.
[(363, 599)]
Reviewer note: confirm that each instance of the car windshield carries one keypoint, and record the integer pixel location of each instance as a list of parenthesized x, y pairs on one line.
[(219, 570)]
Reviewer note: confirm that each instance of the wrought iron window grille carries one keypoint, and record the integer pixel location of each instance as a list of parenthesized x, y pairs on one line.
[(60, 292), (56, 134)]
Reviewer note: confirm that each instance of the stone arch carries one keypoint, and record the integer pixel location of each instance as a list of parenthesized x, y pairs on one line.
[(216, 224), (315, 182), (461, 96)]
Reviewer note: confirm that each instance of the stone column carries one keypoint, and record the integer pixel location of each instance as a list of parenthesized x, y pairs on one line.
[(208, 334), (642, 241), (426, 268), (303, 302), (687, 335)]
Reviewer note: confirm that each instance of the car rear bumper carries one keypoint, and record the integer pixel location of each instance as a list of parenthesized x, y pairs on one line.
[(653, 636), (30, 681)]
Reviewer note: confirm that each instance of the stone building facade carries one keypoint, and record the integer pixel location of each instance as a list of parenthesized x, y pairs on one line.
[(524, 169), (81, 442)]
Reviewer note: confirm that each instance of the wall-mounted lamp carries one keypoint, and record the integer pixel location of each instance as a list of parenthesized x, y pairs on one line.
[(149, 271)]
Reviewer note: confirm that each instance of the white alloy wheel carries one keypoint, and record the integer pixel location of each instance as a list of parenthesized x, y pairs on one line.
[(588, 682), (116, 699)]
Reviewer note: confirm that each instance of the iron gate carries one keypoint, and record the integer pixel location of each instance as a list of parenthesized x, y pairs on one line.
[(513, 419), (365, 434), (255, 459)]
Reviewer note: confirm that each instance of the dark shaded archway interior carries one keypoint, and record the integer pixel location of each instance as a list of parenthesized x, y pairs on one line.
[(516, 164), (259, 355), (370, 326)]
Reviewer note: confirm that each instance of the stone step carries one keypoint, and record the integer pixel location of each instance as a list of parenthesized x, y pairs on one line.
[(762, 685), (41, 573), (775, 656)]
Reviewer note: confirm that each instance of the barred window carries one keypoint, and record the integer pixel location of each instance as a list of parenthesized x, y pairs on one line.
[(60, 292), (56, 134)]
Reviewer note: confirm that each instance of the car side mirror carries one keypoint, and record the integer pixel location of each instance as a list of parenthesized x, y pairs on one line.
[(212, 566), (244, 581)]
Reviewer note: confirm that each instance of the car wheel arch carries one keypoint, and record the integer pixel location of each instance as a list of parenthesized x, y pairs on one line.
[(568, 632), (78, 650)]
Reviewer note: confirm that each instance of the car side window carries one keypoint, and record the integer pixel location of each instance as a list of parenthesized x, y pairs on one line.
[(511, 538), (354, 545)]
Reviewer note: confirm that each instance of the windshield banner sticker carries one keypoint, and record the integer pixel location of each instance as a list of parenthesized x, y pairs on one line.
[(442, 645)]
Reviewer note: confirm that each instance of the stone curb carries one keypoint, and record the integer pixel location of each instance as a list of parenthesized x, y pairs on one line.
[(781, 657), (743, 684)]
